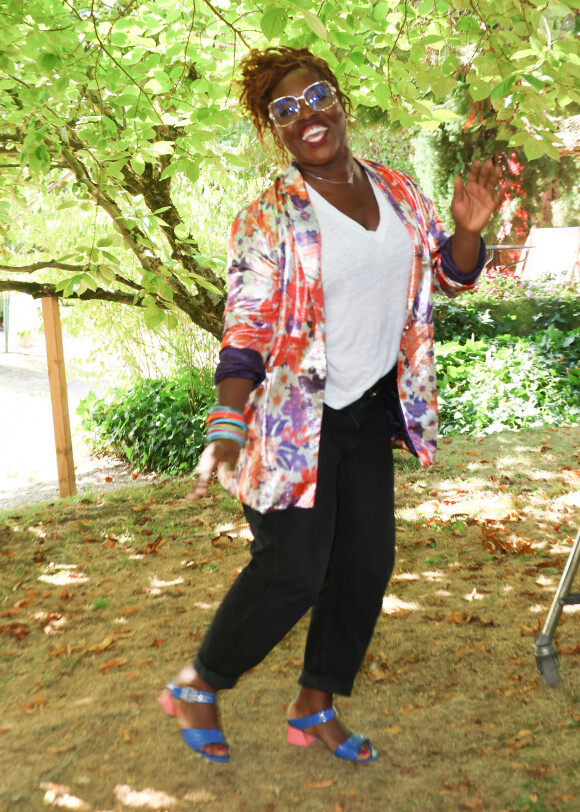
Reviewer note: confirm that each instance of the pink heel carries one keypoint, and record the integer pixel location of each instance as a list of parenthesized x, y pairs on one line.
[(166, 701), (299, 737)]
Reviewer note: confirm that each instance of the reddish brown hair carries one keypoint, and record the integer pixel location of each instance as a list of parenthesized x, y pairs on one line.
[(262, 70)]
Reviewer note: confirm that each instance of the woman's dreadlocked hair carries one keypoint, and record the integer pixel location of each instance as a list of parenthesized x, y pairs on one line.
[(262, 70)]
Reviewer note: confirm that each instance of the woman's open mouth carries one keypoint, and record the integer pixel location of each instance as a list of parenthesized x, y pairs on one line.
[(314, 133)]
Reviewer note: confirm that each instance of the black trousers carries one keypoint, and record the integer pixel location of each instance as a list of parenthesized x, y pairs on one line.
[(335, 558)]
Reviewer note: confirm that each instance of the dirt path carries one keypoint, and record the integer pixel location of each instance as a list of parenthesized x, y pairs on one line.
[(28, 470)]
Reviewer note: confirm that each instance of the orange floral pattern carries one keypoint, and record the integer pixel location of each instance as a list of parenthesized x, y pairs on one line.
[(275, 306)]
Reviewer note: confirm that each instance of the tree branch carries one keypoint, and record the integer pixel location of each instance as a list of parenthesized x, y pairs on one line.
[(38, 290), (229, 25), (131, 234), (39, 266), (63, 266)]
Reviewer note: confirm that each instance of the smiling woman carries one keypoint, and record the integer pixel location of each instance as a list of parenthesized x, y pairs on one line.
[(327, 356)]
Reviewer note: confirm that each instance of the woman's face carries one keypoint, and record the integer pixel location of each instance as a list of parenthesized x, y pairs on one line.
[(315, 138)]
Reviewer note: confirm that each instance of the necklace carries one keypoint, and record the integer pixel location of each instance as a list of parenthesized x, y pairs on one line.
[(350, 178)]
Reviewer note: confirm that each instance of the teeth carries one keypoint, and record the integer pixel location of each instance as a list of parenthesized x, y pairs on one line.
[(314, 133)]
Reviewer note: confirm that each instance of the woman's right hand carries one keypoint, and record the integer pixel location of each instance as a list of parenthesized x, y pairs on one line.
[(223, 450)]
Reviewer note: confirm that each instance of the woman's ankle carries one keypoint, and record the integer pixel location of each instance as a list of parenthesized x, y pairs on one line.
[(310, 700), (189, 678)]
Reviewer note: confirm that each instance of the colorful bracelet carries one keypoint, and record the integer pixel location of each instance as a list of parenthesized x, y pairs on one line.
[(226, 423), (225, 434), (218, 412)]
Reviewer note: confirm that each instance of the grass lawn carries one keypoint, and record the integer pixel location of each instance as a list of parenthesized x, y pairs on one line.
[(105, 597)]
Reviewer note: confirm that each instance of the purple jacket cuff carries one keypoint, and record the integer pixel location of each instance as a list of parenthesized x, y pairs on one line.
[(451, 270), (240, 363)]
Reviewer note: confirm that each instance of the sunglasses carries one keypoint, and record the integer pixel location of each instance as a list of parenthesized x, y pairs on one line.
[(286, 110)]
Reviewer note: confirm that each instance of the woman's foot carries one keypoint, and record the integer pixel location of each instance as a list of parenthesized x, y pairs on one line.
[(332, 733), (198, 715)]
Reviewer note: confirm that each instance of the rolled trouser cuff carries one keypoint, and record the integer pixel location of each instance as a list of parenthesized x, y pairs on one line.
[(327, 684), (217, 681)]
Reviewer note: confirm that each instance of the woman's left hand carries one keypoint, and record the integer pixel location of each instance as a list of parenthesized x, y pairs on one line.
[(475, 201)]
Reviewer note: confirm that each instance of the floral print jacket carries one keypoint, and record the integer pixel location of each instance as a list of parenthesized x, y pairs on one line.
[(275, 307)]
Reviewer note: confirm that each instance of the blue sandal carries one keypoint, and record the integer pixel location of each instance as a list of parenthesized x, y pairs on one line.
[(194, 737), (348, 750)]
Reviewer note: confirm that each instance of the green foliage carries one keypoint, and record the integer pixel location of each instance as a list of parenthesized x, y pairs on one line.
[(119, 107), (444, 153), (505, 307), (157, 425), (509, 382)]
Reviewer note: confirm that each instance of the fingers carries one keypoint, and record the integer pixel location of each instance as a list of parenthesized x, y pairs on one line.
[(458, 189), (486, 175), (226, 451), (200, 484)]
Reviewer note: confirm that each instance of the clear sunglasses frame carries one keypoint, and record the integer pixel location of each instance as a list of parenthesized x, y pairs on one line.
[(319, 105)]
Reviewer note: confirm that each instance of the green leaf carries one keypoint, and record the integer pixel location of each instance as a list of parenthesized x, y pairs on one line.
[(154, 86), (478, 90), (39, 160), (381, 10), (441, 114), (273, 22), (314, 22), (534, 148), (533, 81), (181, 231), (503, 89), (162, 147), (190, 169), (137, 164), (383, 96), (169, 170), (49, 62), (154, 317)]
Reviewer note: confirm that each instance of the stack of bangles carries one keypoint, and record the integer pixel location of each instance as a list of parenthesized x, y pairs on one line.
[(226, 423)]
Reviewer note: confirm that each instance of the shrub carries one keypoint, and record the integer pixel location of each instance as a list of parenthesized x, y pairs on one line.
[(509, 382), (157, 425), (502, 306), (485, 385)]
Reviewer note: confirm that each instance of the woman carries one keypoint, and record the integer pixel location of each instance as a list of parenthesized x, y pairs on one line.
[(327, 355)]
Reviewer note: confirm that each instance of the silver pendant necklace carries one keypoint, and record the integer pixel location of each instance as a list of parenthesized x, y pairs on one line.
[(350, 178)]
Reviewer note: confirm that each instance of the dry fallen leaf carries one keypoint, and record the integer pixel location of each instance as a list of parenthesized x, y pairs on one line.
[(125, 734), (319, 784), (98, 648), (34, 705), (16, 630), (154, 547), (522, 739), (534, 629), (116, 662), (394, 730)]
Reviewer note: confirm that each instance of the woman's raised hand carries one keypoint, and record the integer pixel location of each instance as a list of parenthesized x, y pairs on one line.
[(475, 200), (222, 450)]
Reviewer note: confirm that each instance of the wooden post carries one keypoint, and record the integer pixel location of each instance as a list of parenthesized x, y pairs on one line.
[(58, 396)]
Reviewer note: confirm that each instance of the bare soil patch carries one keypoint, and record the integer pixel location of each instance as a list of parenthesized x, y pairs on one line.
[(105, 597)]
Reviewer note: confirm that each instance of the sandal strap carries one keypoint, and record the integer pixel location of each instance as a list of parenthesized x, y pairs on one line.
[(196, 737), (185, 694), (350, 749), (319, 718)]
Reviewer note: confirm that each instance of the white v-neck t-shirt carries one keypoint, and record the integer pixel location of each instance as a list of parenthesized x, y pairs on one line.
[(365, 278)]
